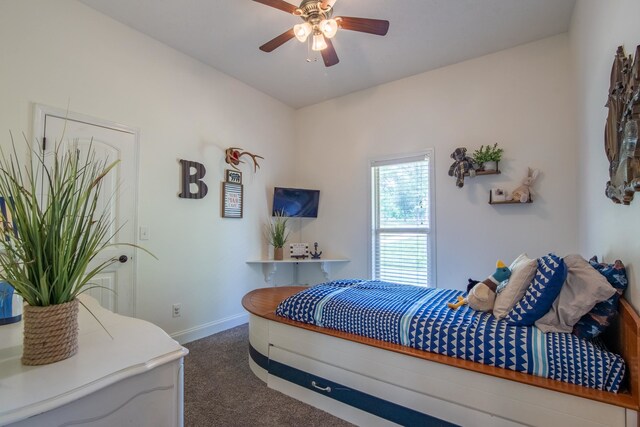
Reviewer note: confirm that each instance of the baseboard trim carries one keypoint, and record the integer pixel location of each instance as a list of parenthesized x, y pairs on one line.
[(210, 328)]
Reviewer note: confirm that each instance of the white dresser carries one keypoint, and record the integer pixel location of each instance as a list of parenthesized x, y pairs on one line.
[(132, 379)]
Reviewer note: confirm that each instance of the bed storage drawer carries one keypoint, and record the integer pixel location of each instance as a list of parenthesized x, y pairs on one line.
[(444, 392), (375, 402), (282, 366)]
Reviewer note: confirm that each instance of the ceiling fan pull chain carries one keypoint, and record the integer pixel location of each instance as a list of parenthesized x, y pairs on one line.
[(311, 54)]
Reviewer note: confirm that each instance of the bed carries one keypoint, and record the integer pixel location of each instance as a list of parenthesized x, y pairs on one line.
[(374, 382)]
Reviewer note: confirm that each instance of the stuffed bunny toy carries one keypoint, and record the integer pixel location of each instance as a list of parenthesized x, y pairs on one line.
[(523, 193)]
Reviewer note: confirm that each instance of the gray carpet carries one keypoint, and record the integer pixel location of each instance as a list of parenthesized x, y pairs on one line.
[(221, 390)]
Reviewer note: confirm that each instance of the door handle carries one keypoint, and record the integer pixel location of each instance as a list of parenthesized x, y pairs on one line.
[(123, 259)]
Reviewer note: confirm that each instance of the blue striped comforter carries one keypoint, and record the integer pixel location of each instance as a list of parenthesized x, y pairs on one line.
[(419, 317)]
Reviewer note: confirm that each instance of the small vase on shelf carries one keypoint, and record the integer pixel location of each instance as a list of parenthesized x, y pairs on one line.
[(490, 166), (278, 254)]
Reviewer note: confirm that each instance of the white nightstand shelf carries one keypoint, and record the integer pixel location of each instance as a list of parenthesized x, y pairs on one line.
[(270, 266), (132, 378)]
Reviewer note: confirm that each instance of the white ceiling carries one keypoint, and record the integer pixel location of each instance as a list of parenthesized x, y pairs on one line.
[(423, 35)]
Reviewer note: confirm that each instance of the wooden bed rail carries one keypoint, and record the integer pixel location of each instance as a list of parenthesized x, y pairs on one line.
[(623, 337)]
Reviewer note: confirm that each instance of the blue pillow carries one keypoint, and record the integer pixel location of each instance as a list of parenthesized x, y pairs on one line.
[(542, 291), (596, 321)]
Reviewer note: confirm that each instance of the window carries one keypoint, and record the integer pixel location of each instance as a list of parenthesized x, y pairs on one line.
[(402, 229)]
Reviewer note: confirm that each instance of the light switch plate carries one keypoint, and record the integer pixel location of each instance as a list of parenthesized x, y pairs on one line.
[(144, 233)]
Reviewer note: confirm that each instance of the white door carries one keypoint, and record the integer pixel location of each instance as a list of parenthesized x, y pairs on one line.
[(114, 142)]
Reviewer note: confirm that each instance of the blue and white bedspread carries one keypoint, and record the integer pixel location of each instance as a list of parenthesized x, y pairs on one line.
[(418, 317)]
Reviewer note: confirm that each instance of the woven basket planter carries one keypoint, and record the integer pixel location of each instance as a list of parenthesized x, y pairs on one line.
[(50, 333)]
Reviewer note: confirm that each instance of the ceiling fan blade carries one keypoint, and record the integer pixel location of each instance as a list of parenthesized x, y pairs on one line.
[(378, 27), (277, 41), (279, 4), (329, 54)]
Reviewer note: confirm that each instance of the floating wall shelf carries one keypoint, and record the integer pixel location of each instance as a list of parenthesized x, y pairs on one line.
[(269, 266), (479, 173), (509, 202)]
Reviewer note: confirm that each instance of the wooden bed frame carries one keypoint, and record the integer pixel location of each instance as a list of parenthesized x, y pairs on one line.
[(338, 358)]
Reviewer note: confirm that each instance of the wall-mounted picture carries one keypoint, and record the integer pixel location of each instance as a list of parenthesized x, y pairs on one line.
[(231, 200), (234, 177)]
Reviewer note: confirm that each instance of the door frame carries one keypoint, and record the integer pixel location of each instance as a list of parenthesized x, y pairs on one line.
[(40, 111)]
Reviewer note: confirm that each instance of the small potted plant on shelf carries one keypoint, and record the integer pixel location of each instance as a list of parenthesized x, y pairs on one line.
[(277, 234), (488, 157)]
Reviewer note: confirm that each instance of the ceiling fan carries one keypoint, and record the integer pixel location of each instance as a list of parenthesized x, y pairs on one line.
[(319, 24)]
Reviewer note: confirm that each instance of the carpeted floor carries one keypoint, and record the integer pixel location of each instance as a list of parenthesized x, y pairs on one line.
[(221, 390)]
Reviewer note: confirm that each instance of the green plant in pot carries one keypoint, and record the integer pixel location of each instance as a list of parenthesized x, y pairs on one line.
[(488, 157), (277, 234), (52, 233)]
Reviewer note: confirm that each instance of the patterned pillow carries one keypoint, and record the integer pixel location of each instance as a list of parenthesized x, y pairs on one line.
[(522, 271), (596, 321), (546, 285)]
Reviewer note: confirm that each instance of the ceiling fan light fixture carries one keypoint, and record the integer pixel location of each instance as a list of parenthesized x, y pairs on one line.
[(329, 27), (302, 31), (319, 42)]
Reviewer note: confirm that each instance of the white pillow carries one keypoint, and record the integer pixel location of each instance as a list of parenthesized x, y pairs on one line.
[(522, 271), (583, 289)]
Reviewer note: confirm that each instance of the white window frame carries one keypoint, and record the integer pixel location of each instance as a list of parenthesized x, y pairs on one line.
[(373, 220)]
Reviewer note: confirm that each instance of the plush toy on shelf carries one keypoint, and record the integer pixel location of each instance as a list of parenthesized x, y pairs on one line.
[(482, 296), (463, 164), (523, 193)]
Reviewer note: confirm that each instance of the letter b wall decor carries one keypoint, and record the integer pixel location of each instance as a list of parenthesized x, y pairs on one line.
[(189, 178)]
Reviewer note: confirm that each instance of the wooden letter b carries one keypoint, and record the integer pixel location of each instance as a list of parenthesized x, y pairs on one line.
[(196, 178)]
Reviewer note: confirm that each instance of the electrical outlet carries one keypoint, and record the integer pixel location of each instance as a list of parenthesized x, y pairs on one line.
[(176, 310)]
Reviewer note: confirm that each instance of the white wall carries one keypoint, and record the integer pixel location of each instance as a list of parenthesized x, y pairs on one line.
[(55, 52), (607, 230), (520, 98)]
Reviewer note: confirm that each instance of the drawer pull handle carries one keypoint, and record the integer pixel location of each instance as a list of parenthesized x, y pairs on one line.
[(315, 385)]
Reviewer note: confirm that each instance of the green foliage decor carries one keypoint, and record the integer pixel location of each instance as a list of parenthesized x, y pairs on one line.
[(488, 154), (47, 246), (276, 231)]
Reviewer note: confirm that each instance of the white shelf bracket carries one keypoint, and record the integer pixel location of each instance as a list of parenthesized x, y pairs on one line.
[(326, 269), (269, 269)]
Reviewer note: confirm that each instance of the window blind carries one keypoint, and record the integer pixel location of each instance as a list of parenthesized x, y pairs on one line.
[(402, 220)]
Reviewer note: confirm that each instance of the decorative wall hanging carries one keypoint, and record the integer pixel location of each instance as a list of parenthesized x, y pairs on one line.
[(621, 130), (189, 178), (234, 177), (231, 200), (233, 154)]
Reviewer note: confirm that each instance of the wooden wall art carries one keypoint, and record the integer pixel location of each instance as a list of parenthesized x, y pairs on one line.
[(189, 178), (621, 130), (233, 154)]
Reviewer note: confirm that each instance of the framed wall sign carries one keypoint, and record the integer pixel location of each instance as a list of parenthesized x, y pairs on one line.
[(234, 177), (231, 200)]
